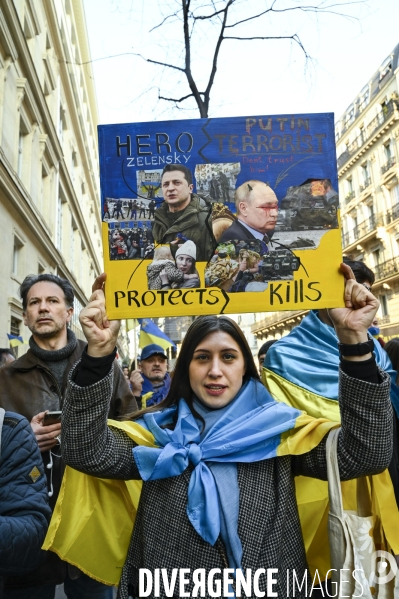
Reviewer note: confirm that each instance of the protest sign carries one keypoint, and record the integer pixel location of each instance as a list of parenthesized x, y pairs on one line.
[(226, 215)]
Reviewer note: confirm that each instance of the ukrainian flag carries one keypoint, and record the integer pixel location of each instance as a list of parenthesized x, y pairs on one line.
[(301, 370), (15, 340), (93, 519), (150, 333)]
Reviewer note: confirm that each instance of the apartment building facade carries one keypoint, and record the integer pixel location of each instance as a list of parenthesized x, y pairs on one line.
[(49, 186), (367, 138)]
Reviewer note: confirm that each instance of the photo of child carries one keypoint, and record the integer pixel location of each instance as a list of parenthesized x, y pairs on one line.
[(166, 273)]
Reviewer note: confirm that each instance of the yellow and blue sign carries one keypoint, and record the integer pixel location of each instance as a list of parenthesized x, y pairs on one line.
[(247, 205)]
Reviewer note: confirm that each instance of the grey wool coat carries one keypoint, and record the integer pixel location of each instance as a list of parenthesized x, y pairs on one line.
[(268, 525)]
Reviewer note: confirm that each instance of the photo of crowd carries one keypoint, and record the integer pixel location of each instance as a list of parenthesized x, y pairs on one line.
[(122, 209), (130, 241)]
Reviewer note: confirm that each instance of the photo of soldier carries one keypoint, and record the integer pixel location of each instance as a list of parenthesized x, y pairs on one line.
[(216, 182), (214, 189), (151, 209), (142, 210), (106, 209), (224, 185), (118, 210), (134, 208), (183, 215)]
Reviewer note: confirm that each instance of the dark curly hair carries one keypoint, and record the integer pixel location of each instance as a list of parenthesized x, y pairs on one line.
[(31, 280)]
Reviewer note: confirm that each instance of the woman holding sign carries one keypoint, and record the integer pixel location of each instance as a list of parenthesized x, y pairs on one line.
[(221, 455)]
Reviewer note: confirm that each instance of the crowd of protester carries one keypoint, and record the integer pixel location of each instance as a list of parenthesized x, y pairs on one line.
[(234, 507)]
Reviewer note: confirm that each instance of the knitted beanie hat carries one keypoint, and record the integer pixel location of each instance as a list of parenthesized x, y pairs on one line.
[(188, 249)]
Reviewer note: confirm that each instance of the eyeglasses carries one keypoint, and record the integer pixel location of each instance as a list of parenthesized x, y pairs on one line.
[(366, 286)]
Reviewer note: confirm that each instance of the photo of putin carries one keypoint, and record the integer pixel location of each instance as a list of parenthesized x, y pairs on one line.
[(257, 210)]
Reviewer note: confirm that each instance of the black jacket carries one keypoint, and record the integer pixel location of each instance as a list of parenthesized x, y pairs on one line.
[(268, 523), (29, 387)]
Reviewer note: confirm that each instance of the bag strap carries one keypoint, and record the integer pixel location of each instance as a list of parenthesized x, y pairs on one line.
[(334, 482), (2, 412), (363, 497)]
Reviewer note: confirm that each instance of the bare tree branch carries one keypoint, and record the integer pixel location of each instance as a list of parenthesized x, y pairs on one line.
[(219, 18), (164, 21), (174, 99), (294, 38), (216, 54), (163, 64), (204, 17)]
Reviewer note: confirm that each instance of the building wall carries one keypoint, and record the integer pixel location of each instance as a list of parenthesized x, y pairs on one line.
[(368, 154), (367, 137), (49, 186)]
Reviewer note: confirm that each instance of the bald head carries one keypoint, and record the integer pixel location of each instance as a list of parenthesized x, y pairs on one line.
[(257, 205)]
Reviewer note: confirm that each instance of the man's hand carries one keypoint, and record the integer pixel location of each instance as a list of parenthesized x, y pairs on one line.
[(137, 382), (351, 323), (101, 334), (46, 436)]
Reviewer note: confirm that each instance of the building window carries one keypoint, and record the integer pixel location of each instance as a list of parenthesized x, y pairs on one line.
[(59, 223), (386, 67), (370, 210), (15, 329), (350, 116), (61, 124), (365, 176), (17, 256), (349, 185), (376, 257), (364, 98), (387, 151), (384, 305), (74, 164), (394, 195), (15, 326)]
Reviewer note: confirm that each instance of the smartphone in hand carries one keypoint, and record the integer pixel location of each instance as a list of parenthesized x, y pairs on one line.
[(53, 417)]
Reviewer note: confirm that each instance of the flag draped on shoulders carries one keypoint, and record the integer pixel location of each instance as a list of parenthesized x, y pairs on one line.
[(301, 370), (93, 518)]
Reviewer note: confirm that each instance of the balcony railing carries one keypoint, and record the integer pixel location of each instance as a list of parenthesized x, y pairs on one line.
[(368, 132), (384, 319), (387, 268), (275, 318), (366, 184), (392, 214), (391, 162), (363, 229), (349, 196)]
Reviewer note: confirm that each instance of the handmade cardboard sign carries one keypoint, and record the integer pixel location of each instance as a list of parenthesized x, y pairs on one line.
[(226, 215)]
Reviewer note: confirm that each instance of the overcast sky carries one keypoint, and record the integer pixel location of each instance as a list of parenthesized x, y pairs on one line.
[(267, 77)]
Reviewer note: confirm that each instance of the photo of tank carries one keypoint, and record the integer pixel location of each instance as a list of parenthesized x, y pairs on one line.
[(310, 206), (278, 264)]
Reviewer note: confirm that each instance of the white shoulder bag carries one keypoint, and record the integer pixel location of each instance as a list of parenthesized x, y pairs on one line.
[(352, 549)]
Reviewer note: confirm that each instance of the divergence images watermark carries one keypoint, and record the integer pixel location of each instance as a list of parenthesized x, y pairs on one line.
[(227, 582)]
